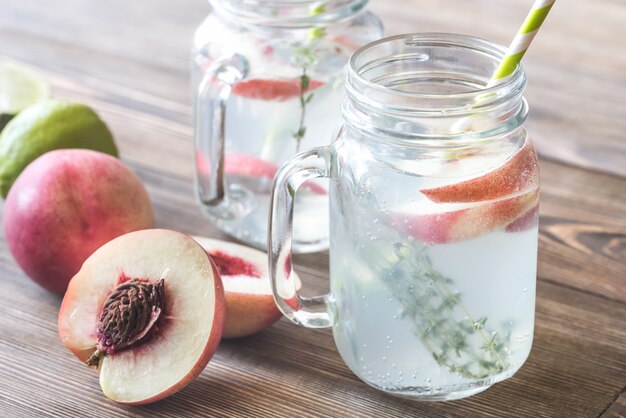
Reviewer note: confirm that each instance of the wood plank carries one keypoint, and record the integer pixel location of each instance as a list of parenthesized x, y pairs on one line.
[(618, 409)]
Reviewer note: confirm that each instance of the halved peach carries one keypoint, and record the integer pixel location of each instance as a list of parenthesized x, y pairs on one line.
[(147, 309), (519, 173), (467, 223), (250, 305)]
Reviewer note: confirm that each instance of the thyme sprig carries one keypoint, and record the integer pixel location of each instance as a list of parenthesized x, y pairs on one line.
[(307, 57), (304, 100), (457, 340)]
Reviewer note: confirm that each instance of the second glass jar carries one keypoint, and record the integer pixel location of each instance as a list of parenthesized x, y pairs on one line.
[(268, 80)]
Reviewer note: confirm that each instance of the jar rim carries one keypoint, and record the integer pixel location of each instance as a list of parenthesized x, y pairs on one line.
[(516, 81), (432, 86), (289, 13)]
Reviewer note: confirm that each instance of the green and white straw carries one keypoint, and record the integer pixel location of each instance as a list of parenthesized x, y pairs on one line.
[(522, 40)]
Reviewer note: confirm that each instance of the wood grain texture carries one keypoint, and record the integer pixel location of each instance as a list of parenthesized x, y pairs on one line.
[(617, 409), (129, 61)]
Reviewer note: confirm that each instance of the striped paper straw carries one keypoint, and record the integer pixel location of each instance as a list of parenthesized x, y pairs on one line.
[(522, 40)]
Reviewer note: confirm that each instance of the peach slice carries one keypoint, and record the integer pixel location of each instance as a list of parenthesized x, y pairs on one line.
[(467, 223), (514, 176), (247, 165), (147, 309), (250, 304), (269, 89), (524, 222), (238, 164)]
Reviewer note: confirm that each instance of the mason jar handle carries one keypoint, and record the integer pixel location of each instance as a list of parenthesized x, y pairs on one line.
[(210, 115), (311, 312)]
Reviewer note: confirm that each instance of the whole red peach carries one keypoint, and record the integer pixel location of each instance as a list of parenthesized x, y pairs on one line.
[(64, 206)]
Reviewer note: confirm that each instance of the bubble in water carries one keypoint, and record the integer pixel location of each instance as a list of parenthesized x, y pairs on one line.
[(393, 365), (384, 358), (364, 345)]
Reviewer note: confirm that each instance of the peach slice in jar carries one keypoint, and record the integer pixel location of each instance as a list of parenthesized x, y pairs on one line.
[(514, 176), (272, 89), (240, 164), (465, 223), (250, 304), (147, 309)]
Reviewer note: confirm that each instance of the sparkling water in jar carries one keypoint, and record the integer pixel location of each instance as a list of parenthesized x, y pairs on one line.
[(434, 187)]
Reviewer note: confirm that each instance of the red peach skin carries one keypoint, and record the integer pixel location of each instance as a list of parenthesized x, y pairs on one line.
[(270, 89), (64, 206), (464, 224), (514, 176)]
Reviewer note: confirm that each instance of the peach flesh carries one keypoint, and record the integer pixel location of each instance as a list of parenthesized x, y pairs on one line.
[(249, 299), (229, 265), (64, 206), (187, 332), (464, 224), (514, 176), (247, 313)]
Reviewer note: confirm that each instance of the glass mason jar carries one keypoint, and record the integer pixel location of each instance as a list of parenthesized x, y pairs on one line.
[(268, 79), (433, 220)]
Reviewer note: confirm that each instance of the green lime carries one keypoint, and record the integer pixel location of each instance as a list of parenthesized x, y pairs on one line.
[(45, 126), (20, 87)]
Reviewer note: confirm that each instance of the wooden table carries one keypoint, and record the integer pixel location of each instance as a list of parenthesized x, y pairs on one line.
[(129, 60)]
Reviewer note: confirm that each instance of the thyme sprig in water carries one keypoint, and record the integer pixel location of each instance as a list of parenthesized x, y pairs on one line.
[(307, 58), (304, 100), (458, 341)]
